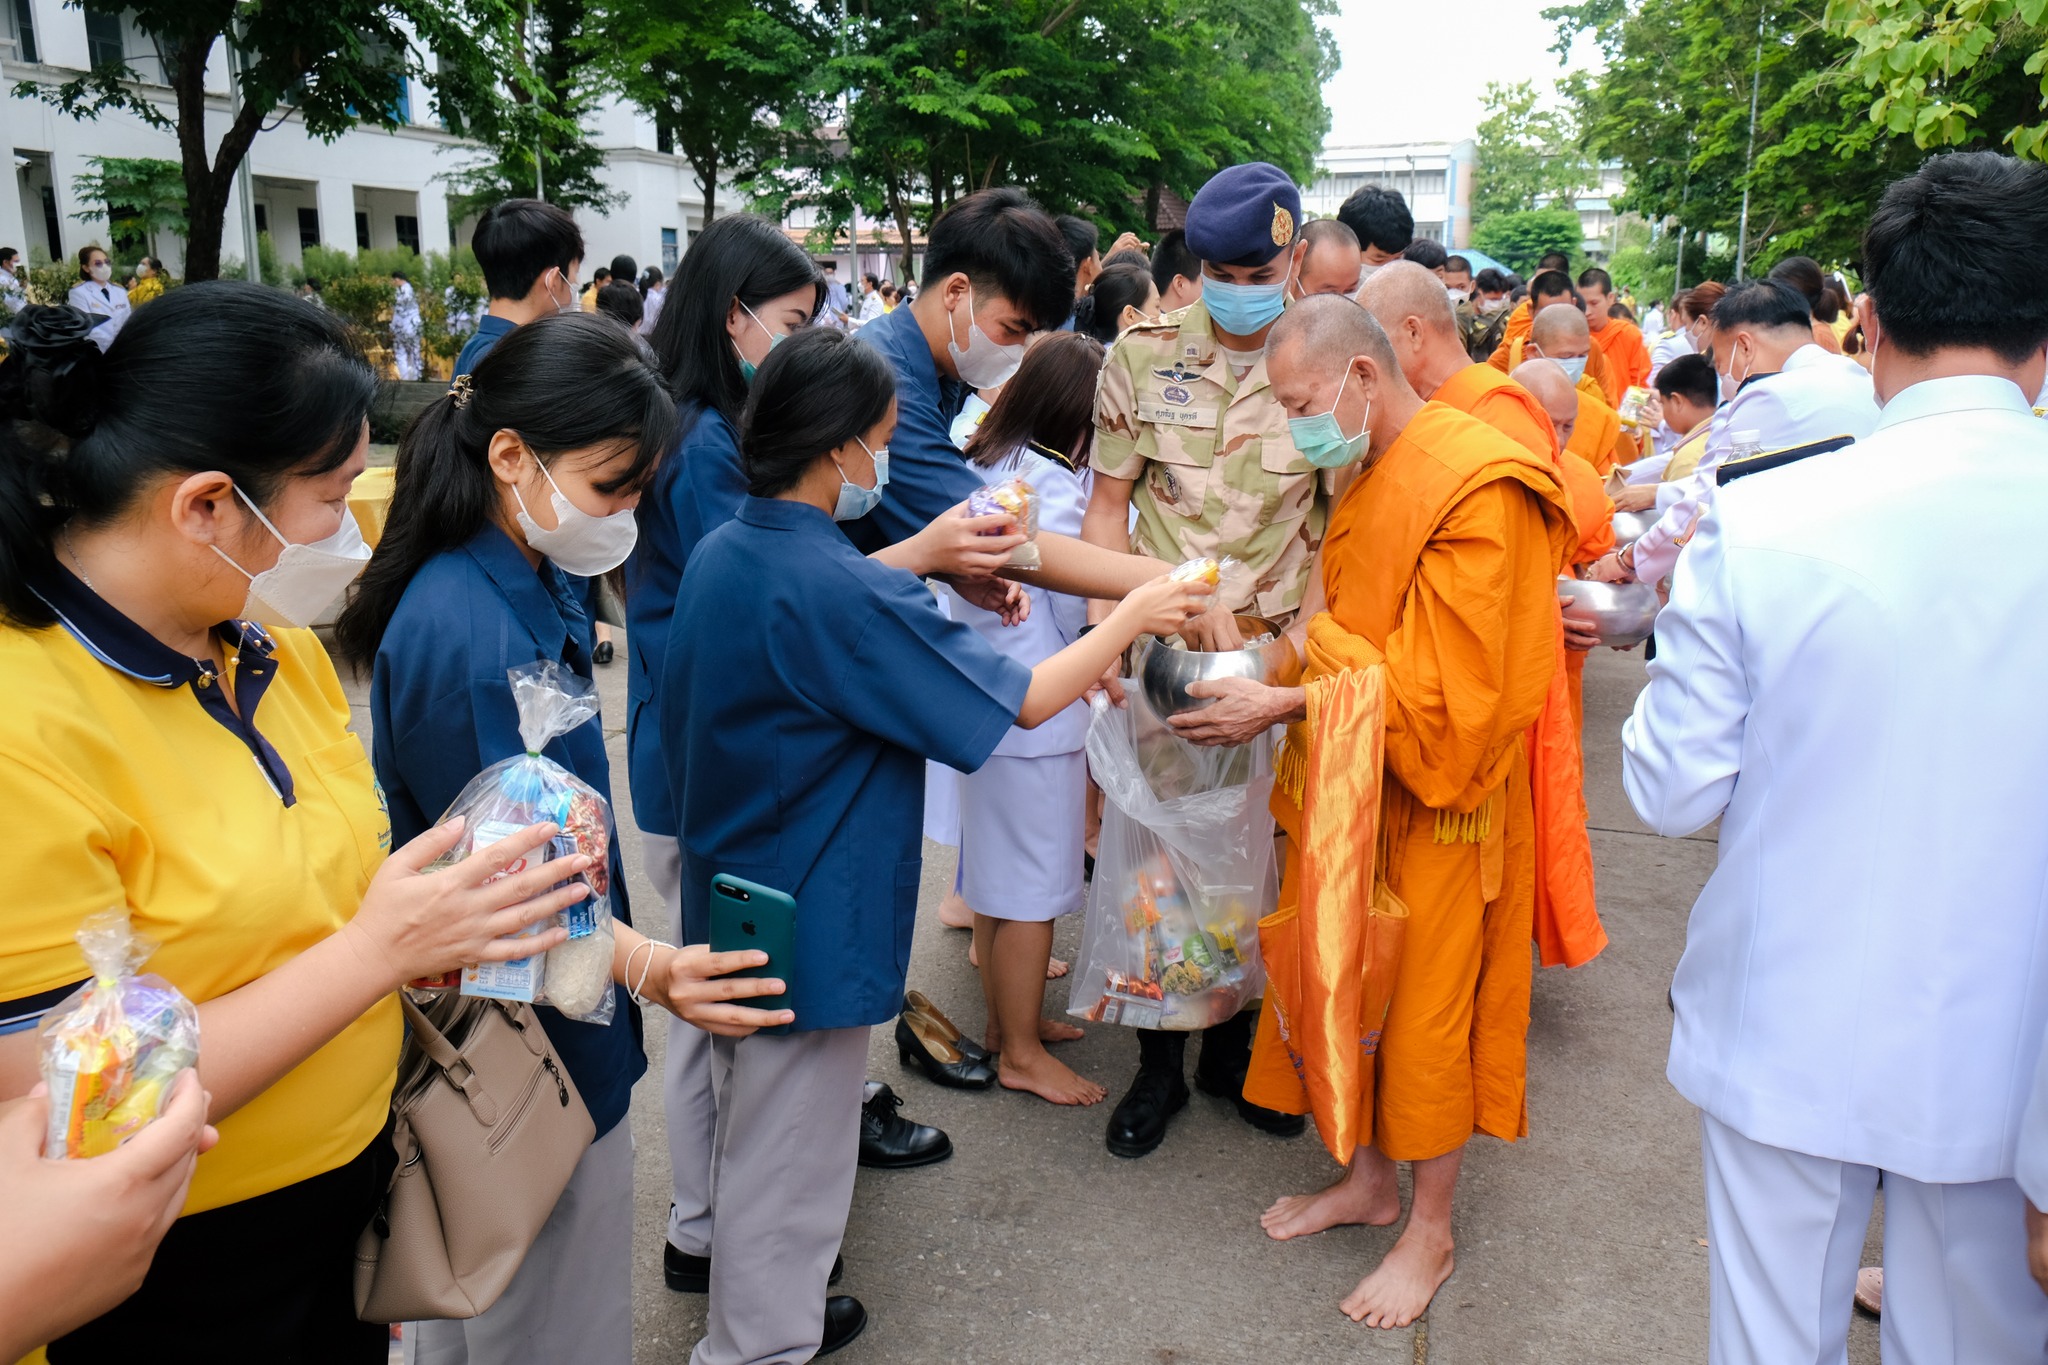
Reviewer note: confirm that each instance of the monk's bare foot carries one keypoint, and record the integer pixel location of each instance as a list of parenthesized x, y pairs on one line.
[(955, 913), (1055, 968), (1353, 1199), (1058, 1031), (1395, 1294), (1048, 1079)]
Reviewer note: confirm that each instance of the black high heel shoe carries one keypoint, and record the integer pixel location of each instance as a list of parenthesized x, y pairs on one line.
[(603, 653), (921, 1047)]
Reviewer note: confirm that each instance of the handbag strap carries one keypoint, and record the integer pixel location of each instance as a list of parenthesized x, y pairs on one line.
[(453, 1064)]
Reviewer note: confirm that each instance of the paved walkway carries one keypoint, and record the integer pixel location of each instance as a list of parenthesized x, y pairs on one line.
[(1582, 1244)]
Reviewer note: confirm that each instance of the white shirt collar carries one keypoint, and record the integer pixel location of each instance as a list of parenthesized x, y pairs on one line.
[(1957, 393)]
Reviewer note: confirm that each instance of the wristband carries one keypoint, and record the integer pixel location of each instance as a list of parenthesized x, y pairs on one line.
[(650, 945)]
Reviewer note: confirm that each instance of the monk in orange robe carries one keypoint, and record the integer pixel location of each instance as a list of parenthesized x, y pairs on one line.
[(1619, 341), (1412, 308), (1560, 333), (1405, 786)]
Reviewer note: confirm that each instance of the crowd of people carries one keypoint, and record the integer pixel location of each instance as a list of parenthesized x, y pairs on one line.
[(774, 486)]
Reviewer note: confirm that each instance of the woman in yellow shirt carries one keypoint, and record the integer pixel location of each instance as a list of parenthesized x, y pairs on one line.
[(149, 282), (173, 744)]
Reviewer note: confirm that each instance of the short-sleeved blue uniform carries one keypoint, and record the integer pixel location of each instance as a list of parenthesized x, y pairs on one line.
[(804, 688), (441, 711), (696, 490), (927, 473)]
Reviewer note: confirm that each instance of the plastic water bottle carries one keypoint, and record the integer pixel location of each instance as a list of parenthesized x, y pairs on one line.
[(1748, 445)]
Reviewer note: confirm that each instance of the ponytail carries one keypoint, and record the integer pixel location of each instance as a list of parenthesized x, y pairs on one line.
[(567, 382)]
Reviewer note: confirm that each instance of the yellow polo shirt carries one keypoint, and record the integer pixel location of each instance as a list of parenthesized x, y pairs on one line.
[(235, 843)]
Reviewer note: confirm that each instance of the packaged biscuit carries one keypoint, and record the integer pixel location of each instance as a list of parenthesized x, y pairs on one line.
[(1019, 500), (112, 1049)]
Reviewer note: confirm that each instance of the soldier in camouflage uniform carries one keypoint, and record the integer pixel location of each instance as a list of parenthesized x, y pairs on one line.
[(1189, 433)]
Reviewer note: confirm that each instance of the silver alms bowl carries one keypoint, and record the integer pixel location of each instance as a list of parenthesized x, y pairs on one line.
[(1624, 612), (1629, 526), (1164, 672)]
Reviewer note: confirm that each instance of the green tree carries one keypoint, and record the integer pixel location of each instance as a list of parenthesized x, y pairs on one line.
[(549, 91), (732, 83), (1671, 103), (1525, 152), (1522, 237), (1959, 74), (336, 63), (140, 197)]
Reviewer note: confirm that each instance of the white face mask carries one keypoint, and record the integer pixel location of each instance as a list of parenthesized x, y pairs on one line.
[(103, 272), (572, 306), (981, 363), (306, 578), (1458, 295), (580, 543), (1731, 383)]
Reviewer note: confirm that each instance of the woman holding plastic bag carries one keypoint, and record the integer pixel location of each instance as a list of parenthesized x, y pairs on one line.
[(480, 700), (175, 746), (797, 748)]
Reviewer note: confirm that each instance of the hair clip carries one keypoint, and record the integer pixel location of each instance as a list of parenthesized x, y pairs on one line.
[(463, 390)]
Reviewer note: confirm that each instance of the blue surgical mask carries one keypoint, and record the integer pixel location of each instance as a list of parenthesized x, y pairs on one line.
[(856, 502), (1574, 367), (1322, 441), (748, 369), (1242, 309)]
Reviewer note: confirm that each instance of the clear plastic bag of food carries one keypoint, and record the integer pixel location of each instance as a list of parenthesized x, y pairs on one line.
[(1633, 404), (574, 977), (1016, 498), (1181, 880), (112, 1049)]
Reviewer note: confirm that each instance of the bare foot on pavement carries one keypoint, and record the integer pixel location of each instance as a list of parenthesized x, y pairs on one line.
[(1048, 1079), (1376, 1203), (1396, 1294)]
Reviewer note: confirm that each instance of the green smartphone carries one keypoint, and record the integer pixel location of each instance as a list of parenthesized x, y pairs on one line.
[(744, 915)]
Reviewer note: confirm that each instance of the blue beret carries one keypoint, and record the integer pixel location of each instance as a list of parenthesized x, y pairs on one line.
[(1245, 215)]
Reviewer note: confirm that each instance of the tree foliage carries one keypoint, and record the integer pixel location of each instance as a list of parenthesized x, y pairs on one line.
[(336, 64), (1957, 74), (1526, 153), (1521, 237), (1095, 106), (140, 196)]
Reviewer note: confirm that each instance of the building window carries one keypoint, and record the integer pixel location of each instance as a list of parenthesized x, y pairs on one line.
[(408, 229), (401, 107), (262, 218), (51, 229), (309, 228), (664, 140), (1433, 232), (362, 230), (670, 252), (103, 44), (20, 25)]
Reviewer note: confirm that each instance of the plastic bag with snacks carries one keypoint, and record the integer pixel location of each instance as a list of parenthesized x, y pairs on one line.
[(1634, 403), (111, 1050), (574, 977), (1017, 499), (1181, 880)]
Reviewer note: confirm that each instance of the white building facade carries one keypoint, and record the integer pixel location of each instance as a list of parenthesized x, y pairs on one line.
[(1434, 177), (371, 187)]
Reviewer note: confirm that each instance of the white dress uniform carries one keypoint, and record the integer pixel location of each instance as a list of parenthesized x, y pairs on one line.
[(1864, 986), (109, 301), (1816, 396), (1023, 813), (1668, 347)]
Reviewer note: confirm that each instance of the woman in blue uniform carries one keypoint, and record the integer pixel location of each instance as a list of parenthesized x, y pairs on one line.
[(796, 747), (742, 290), (504, 490)]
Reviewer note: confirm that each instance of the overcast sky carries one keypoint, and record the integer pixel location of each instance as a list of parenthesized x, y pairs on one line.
[(1418, 71)]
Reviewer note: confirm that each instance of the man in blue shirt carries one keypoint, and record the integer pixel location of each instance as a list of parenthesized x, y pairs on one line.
[(531, 253)]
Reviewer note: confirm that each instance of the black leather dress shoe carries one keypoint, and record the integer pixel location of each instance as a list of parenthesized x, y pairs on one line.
[(923, 1049), (1139, 1123), (687, 1274), (890, 1142), (603, 653), (1258, 1116), (845, 1319)]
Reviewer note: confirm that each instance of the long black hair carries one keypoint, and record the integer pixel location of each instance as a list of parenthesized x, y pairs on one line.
[(224, 375), (1118, 287), (1049, 403), (739, 256), (563, 382), (815, 392)]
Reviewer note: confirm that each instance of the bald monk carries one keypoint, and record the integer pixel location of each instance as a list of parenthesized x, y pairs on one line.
[(1553, 263), (1438, 579), (1415, 313), (1619, 341), (1560, 333)]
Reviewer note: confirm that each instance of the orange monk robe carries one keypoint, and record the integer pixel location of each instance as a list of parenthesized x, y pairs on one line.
[(1567, 916), (1439, 564), (1628, 359), (1599, 435)]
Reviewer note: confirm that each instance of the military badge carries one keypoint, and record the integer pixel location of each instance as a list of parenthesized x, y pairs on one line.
[(1174, 393), (1283, 226)]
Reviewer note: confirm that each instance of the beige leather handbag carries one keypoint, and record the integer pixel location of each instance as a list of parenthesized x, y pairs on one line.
[(488, 1128)]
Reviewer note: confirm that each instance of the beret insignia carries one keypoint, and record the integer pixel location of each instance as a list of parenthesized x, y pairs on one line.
[(1283, 226)]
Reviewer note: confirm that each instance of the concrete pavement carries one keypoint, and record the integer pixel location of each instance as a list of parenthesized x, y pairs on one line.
[(1583, 1243)]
